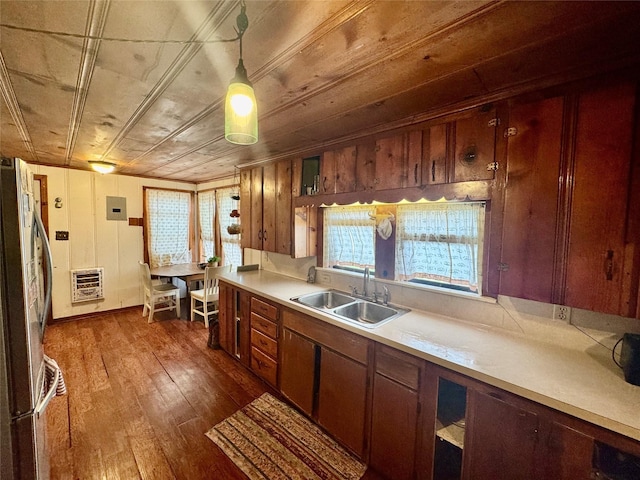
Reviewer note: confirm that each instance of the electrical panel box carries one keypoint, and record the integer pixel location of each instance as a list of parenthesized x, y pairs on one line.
[(116, 208)]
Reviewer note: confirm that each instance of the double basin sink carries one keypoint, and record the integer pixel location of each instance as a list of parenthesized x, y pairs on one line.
[(363, 312)]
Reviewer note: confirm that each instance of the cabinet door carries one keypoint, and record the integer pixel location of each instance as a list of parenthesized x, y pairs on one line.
[(242, 327), (502, 441), (568, 455), (305, 231), (345, 168), (475, 141), (246, 188), (327, 183), (225, 317), (414, 159), (391, 167), (365, 166), (297, 370), (282, 232), (435, 161), (255, 212), (596, 250), (342, 399), (531, 200), (394, 423), (268, 205)]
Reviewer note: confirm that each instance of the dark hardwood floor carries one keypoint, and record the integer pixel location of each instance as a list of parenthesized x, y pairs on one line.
[(140, 398)]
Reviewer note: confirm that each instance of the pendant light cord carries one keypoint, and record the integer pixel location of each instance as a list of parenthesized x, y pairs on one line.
[(242, 21)]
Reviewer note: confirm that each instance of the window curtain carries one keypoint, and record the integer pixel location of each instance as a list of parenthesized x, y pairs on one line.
[(440, 242), (349, 237), (168, 215), (206, 217), (228, 245)]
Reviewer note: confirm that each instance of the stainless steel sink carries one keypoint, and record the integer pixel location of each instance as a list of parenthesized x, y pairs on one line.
[(345, 307), (325, 300), (366, 312)]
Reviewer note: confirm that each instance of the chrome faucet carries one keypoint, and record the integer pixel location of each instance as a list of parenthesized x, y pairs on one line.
[(365, 285)]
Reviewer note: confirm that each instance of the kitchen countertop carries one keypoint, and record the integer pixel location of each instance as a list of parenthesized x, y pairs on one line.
[(579, 382)]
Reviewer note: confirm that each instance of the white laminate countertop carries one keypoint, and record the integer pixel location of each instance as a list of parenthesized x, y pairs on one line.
[(585, 384)]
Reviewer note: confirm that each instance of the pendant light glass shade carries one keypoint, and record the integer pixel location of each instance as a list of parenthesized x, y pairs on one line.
[(102, 166), (241, 110)]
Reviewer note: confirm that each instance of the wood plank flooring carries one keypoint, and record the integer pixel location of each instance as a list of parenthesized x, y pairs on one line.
[(140, 398)]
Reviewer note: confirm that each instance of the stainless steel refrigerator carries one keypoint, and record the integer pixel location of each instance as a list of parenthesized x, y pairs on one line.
[(26, 384)]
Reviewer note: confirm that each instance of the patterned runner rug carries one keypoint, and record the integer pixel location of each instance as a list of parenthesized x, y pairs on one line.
[(270, 440)]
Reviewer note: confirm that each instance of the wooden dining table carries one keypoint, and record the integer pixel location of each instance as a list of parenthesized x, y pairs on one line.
[(187, 272)]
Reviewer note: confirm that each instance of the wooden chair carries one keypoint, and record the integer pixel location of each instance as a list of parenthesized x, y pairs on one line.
[(158, 297), (208, 296)]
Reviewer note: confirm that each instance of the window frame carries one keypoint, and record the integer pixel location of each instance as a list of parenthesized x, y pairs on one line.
[(385, 251), (145, 222)]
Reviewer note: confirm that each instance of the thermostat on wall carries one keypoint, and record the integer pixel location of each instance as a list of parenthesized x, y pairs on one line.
[(116, 208)]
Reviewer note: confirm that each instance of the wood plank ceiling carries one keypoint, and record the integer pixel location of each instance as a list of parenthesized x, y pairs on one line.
[(324, 72)]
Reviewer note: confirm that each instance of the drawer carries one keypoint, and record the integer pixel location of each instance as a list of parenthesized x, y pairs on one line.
[(263, 308), (347, 343), (263, 325), (398, 366), (267, 345), (264, 366)]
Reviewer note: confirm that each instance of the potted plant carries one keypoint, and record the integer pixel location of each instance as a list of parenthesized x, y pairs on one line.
[(213, 261)]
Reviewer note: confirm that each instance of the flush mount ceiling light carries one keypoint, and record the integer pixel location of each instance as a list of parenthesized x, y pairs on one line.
[(101, 166), (240, 108)]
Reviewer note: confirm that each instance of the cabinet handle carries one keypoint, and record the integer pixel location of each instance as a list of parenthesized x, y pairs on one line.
[(264, 235), (260, 234), (433, 171), (324, 184), (609, 265), (415, 174)]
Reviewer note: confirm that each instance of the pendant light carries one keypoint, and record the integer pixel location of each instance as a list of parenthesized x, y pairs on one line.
[(240, 108), (101, 166)]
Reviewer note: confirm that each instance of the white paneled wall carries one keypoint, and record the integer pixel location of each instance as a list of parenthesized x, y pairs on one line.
[(95, 241)]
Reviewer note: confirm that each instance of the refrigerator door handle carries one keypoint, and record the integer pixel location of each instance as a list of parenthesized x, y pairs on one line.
[(49, 266)]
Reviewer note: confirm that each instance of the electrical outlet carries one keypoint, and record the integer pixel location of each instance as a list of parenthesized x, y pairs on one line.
[(562, 313)]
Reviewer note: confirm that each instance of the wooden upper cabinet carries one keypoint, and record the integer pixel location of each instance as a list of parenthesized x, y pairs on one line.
[(327, 183), (475, 139), (305, 231), (435, 145), (338, 171), (345, 168), (365, 166), (597, 262), (283, 207), (531, 200), (251, 208), (391, 165), (265, 207), (268, 208)]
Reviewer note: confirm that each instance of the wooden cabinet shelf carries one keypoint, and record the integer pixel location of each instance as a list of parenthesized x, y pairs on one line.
[(452, 432)]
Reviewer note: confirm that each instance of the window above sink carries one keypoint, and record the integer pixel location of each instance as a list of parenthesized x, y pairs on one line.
[(422, 243)]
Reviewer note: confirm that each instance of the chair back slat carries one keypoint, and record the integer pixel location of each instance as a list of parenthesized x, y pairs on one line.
[(145, 275), (211, 275)]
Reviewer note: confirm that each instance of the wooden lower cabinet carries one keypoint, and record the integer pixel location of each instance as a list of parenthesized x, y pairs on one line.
[(235, 327), (395, 413), (297, 370), (501, 441), (264, 340), (324, 372), (342, 395), (409, 418)]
